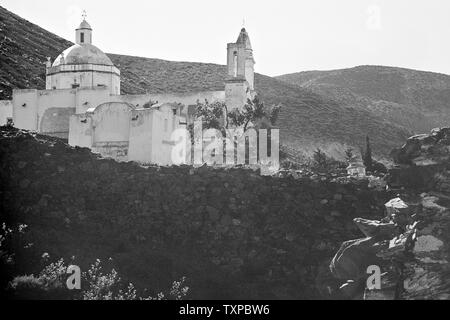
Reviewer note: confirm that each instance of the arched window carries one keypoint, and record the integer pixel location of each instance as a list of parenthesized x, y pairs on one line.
[(82, 37)]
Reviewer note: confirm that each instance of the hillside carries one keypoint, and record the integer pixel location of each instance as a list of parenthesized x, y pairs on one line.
[(417, 100), (308, 119)]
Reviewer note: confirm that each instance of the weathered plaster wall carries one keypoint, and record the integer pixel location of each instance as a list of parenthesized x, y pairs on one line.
[(48, 111), (25, 109), (236, 93), (86, 98), (141, 130), (185, 99), (55, 121), (80, 133), (117, 150), (151, 135), (6, 111), (87, 76), (162, 146), (111, 122)]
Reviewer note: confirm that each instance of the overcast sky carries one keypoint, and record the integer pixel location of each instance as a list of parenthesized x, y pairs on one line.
[(287, 35)]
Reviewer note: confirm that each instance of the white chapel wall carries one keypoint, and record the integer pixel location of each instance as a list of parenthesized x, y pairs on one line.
[(6, 111)]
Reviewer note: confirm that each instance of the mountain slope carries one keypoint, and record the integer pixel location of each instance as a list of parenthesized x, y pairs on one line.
[(308, 119), (417, 100)]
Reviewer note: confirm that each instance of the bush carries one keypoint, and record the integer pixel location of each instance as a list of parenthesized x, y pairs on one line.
[(96, 285), (325, 164)]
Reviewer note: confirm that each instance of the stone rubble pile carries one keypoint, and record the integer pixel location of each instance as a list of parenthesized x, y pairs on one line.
[(411, 244)]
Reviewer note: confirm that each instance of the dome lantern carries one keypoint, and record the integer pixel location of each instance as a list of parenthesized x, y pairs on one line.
[(83, 34)]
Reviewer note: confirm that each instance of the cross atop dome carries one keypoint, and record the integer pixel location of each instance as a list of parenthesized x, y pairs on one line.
[(84, 15)]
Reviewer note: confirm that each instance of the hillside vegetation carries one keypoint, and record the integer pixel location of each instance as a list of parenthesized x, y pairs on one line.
[(417, 100)]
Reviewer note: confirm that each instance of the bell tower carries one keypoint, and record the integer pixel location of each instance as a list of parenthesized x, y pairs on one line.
[(239, 85)]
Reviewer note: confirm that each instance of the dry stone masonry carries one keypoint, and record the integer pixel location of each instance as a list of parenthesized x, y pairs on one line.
[(232, 232)]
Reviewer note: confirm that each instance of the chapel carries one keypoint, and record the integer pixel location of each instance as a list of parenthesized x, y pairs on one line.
[(83, 104)]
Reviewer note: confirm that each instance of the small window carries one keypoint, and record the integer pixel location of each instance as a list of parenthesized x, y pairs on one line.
[(235, 63), (75, 85), (82, 37), (174, 112)]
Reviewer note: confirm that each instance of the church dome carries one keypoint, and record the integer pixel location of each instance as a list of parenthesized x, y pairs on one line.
[(83, 54)]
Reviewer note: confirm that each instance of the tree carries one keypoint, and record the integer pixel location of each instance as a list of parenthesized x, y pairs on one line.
[(236, 122), (217, 116), (320, 159), (367, 156), (349, 154)]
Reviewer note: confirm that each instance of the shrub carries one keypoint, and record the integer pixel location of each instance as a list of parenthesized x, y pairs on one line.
[(96, 285)]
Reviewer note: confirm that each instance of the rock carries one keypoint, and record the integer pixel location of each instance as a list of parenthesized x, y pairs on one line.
[(213, 213), (290, 237), (338, 197), (86, 166), (382, 294), (24, 183), (351, 289), (353, 258), (226, 220), (104, 167), (335, 213), (377, 183), (22, 164), (376, 229), (236, 222), (396, 206), (426, 244), (399, 212), (425, 149), (400, 246)]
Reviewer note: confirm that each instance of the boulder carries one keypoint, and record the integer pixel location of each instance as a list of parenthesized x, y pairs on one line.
[(353, 258), (425, 149), (376, 229), (400, 212)]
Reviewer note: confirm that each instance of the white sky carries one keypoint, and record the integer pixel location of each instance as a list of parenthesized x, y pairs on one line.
[(287, 35)]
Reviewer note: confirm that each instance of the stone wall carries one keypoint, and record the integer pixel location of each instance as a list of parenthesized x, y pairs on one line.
[(232, 232)]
